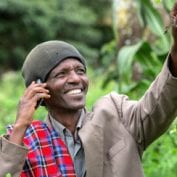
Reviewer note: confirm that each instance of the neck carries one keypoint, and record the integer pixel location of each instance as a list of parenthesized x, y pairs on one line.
[(67, 118)]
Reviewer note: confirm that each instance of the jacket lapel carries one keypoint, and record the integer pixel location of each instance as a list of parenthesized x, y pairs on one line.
[(91, 136), (92, 139)]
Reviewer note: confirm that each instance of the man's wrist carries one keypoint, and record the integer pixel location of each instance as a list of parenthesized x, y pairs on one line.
[(18, 134)]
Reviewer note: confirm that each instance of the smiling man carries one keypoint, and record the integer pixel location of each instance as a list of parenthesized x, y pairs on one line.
[(68, 84), (109, 141)]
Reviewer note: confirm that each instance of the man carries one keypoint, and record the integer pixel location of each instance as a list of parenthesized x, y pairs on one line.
[(107, 142)]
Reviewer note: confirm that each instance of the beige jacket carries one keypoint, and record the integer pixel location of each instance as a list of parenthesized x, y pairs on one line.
[(116, 132)]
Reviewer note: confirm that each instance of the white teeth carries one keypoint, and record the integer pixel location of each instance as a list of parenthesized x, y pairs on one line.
[(72, 92)]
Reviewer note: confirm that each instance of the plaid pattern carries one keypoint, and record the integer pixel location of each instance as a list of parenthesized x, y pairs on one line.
[(48, 155)]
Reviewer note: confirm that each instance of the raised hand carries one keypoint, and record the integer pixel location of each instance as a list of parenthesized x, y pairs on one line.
[(26, 109)]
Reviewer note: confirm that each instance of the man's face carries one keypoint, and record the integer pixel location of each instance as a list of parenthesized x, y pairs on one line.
[(68, 85)]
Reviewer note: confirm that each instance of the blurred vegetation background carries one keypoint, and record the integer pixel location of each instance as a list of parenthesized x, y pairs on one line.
[(123, 41)]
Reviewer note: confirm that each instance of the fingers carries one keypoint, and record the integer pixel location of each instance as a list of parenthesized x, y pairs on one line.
[(37, 91), (41, 94), (32, 95)]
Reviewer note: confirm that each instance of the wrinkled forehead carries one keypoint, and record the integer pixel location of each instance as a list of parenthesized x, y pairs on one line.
[(66, 65)]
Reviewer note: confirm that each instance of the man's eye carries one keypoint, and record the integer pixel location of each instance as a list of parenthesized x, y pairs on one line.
[(60, 74), (81, 71)]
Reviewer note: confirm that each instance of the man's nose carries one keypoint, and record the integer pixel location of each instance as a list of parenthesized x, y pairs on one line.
[(73, 77)]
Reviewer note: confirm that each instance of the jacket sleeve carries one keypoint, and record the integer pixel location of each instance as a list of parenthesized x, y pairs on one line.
[(12, 157), (150, 117)]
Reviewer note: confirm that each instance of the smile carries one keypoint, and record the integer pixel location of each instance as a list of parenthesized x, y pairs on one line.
[(74, 92)]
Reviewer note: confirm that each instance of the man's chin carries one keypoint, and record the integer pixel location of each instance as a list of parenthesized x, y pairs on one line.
[(75, 104), (76, 107)]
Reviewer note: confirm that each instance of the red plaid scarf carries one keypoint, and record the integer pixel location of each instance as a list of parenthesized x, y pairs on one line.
[(48, 155)]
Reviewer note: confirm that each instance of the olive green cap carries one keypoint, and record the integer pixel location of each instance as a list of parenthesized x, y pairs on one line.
[(45, 57)]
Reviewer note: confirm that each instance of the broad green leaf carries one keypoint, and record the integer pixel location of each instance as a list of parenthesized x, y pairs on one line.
[(149, 62), (168, 4), (162, 45), (125, 58), (149, 16)]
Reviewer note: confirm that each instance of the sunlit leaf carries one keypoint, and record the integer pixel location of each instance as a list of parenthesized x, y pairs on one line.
[(168, 4), (157, 1), (152, 18), (125, 58)]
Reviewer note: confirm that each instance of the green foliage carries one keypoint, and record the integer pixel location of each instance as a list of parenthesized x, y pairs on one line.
[(168, 4), (150, 65), (157, 1), (26, 23), (160, 158), (95, 88), (8, 175), (11, 89), (147, 54), (150, 17)]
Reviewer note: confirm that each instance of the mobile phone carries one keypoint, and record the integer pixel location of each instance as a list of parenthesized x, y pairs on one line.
[(39, 102)]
